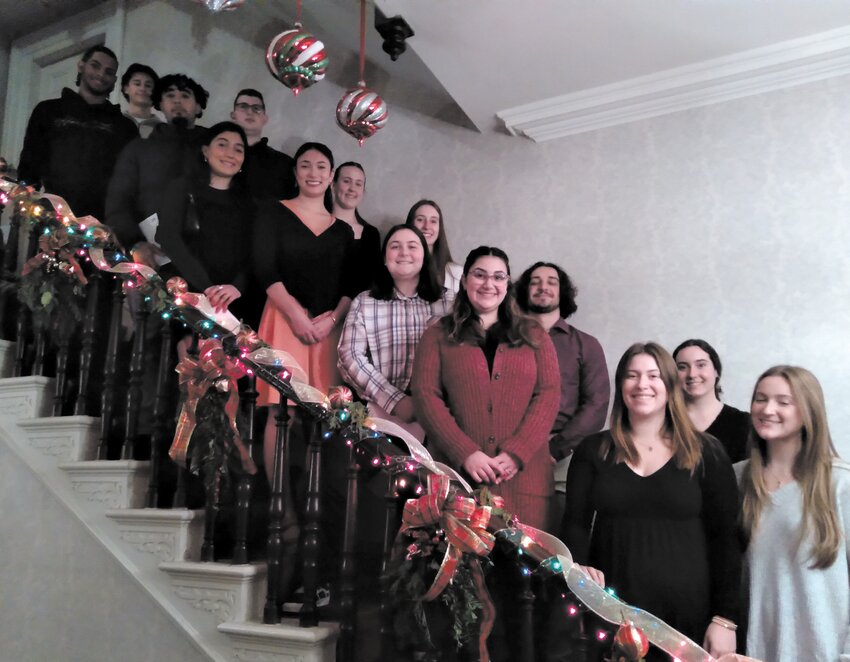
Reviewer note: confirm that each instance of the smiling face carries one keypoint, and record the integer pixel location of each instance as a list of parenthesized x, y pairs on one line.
[(427, 221), (544, 290), (486, 284), (349, 187), (225, 154), (139, 90), (697, 373), (404, 255), (313, 173), (776, 416), (643, 390), (98, 74)]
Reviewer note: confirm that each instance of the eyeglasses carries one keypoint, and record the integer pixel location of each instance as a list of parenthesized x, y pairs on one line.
[(256, 108), (482, 276)]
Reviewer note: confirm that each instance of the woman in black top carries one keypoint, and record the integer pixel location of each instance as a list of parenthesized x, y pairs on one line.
[(205, 225), (699, 374), (349, 185), (652, 505)]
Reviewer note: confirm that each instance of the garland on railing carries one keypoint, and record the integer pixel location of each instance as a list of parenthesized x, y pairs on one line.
[(446, 523)]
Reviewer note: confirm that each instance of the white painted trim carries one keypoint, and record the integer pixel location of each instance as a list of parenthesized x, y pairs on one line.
[(103, 24), (775, 67)]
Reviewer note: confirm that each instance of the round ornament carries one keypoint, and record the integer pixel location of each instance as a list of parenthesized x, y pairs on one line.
[(297, 59), (221, 5), (361, 112), (631, 642), (340, 396), (176, 286)]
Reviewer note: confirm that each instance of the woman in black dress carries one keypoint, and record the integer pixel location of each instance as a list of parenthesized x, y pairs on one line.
[(652, 504), (699, 374), (348, 188), (205, 225)]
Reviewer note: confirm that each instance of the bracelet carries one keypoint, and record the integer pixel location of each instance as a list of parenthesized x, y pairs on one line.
[(724, 623)]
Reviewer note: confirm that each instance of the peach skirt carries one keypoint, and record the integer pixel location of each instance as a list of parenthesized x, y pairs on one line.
[(318, 361)]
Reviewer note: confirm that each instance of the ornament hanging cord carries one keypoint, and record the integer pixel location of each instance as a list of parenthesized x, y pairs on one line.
[(298, 14), (362, 81)]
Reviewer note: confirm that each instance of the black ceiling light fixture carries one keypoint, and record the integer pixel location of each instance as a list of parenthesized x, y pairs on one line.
[(394, 31)]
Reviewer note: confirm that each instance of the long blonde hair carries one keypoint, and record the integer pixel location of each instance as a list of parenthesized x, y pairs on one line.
[(812, 469), (686, 442)]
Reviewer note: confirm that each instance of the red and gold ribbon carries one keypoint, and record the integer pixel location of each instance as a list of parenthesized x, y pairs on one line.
[(465, 525), (55, 244), (197, 376)]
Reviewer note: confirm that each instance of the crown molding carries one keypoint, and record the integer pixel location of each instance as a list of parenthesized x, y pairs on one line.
[(785, 64)]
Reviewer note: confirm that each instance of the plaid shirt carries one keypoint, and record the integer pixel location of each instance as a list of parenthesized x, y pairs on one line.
[(379, 340)]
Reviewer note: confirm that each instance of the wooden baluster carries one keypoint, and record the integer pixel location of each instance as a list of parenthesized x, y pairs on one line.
[(135, 383), (63, 345), (277, 512), (388, 646), (9, 267), (89, 333), (22, 328), (526, 612), (348, 569), (107, 402), (312, 517), (246, 482), (40, 349), (159, 434), (181, 491), (211, 510), (25, 331)]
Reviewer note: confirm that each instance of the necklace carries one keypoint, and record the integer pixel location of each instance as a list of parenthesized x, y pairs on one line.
[(779, 482)]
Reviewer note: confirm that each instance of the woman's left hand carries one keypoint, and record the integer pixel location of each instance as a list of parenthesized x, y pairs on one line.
[(221, 296), (719, 640), (507, 466), (323, 324)]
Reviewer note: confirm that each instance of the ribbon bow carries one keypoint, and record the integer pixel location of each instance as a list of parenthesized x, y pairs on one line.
[(55, 245), (211, 368), (465, 525)]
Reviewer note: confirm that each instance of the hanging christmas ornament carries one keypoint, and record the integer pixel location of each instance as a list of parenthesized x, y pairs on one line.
[(296, 58), (221, 5), (630, 642), (361, 111)]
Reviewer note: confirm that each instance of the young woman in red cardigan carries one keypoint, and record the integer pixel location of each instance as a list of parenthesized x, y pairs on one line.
[(486, 388)]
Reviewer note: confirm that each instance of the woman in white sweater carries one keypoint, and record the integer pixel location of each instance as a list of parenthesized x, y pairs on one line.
[(796, 515)]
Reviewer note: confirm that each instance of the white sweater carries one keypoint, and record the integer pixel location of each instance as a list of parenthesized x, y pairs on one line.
[(798, 614)]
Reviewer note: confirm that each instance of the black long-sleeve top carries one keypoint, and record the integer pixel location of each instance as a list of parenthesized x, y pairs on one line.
[(317, 270), (214, 250), (666, 542)]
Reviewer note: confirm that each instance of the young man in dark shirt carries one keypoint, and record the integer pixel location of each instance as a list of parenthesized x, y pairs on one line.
[(72, 143), (146, 166), (268, 172)]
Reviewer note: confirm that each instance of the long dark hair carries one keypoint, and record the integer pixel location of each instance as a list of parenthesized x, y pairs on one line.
[(463, 324), (428, 287), (354, 164), (325, 151), (441, 255), (567, 303), (712, 354), (202, 168)]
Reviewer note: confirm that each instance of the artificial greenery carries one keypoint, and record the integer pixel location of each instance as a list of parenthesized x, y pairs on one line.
[(56, 299)]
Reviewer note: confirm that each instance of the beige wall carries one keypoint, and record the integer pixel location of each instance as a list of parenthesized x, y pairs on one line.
[(728, 222)]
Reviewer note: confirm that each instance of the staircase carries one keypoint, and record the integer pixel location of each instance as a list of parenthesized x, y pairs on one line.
[(217, 605)]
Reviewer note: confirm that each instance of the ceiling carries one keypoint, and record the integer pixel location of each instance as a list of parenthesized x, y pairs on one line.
[(493, 55)]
